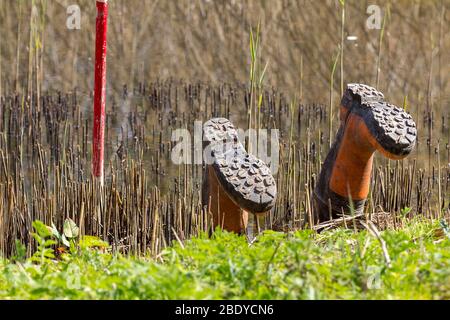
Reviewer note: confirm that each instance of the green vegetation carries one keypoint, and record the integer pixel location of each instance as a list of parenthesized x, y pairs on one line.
[(340, 263), (193, 73)]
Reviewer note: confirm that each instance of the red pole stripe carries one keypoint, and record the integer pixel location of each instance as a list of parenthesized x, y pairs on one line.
[(99, 88)]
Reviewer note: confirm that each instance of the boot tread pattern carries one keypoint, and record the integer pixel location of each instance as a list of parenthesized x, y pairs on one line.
[(392, 127), (246, 179)]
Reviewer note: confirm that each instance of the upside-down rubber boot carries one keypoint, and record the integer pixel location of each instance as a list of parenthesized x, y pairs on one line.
[(368, 124), (235, 182)]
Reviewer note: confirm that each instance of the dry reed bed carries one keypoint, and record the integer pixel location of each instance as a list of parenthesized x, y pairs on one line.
[(147, 202)]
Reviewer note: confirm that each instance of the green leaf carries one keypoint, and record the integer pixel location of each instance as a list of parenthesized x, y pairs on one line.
[(404, 212), (55, 232), (42, 230), (261, 78), (93, 242), (70, 229), (65, 241), (252, 46), (37, 238), (445, 227), (48, 253), (49, 243), (21, 251)]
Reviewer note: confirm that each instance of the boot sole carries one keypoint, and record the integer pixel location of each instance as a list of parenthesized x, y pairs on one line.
[(391, 127), (246, 179)]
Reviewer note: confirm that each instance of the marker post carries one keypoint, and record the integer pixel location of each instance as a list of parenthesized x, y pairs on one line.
[(99, 89)]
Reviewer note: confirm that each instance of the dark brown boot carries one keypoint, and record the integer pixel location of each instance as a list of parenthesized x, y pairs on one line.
[(368, 124)]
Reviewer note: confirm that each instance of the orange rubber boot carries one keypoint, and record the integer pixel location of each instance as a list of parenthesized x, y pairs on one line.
[(225, 213), (235, 183), (368, 124)]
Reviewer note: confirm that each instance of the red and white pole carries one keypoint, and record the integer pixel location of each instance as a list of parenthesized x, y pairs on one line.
[(99, 89)]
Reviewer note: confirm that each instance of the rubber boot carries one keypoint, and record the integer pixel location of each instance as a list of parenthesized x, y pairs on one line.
[(235, 183), (367, 124)]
